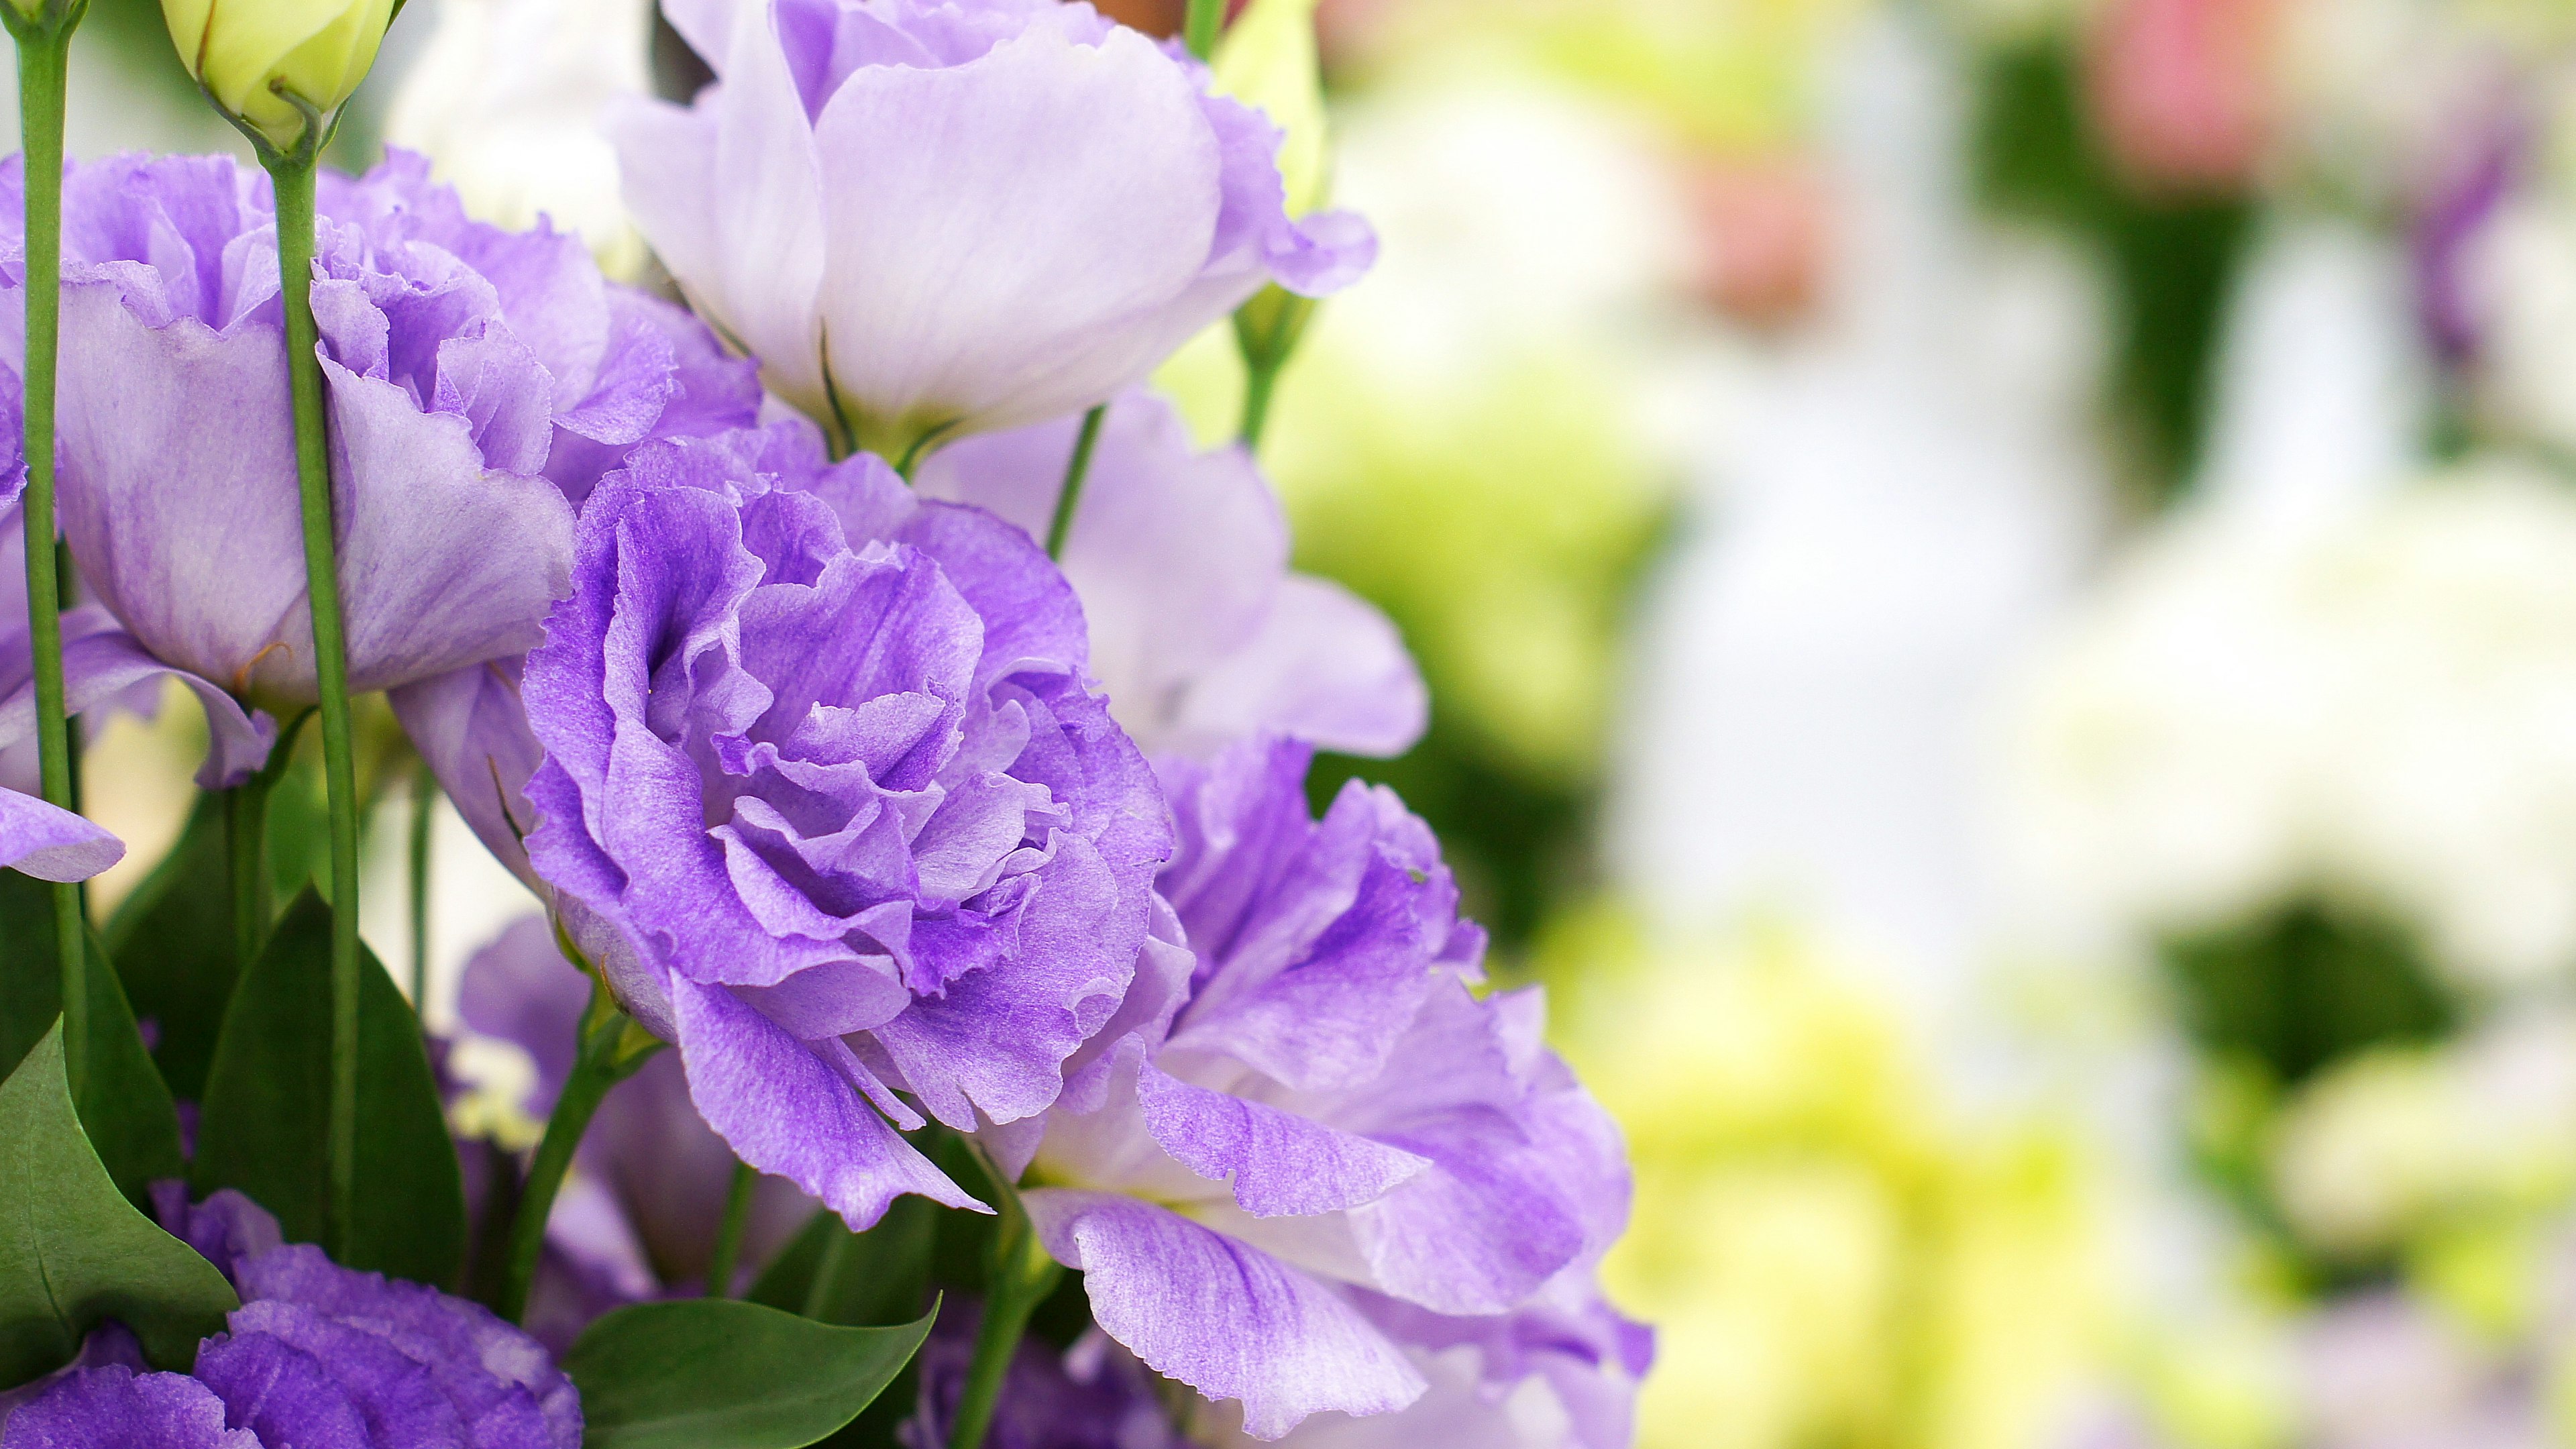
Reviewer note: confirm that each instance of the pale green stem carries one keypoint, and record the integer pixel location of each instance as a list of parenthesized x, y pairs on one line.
[(1205, 19), (424, 811), (44, 57), (293, 177), (1018, 1278)]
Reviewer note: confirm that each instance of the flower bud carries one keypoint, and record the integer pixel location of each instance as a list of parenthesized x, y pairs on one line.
[(260, 58)]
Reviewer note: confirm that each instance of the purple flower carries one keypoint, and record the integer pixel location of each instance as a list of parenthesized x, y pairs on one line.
[(827, 797), (638, 1218), (1198, 630), (477, 382), (929, 218), (316, 1355), (1315, 1104)]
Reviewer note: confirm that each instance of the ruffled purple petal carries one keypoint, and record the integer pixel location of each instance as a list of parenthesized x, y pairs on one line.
[(117, 1408), (1228, 1320)]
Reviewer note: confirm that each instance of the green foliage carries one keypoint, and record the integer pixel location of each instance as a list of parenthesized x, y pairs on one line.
[(124, 1105), (2303, 987), (172, 940), (73, 1251), (714, 1373), (266, 1124)]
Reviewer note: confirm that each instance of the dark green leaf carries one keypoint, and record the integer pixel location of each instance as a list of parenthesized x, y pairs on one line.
[(123, 1103), (267, 1112), (829, 1273), (73, 1252), (173, 944), (712, 1373)]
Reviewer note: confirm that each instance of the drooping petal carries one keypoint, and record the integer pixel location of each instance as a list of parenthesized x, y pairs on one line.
[(1228, 1320), (51, 843)]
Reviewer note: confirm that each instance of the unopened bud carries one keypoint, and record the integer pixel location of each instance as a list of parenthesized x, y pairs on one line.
[(270, 63)]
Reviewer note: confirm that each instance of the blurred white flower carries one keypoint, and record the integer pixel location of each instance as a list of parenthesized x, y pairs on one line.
[(2381, 707), (2405, 1142), (505, 101)]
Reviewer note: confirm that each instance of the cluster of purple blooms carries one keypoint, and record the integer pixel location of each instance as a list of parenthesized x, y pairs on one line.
[(748, 656)]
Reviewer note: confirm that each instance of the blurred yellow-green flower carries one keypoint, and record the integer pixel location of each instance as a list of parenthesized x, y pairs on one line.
[(1830, 1253)]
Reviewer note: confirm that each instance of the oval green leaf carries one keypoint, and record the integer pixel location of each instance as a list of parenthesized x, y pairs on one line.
[(715, 1373)]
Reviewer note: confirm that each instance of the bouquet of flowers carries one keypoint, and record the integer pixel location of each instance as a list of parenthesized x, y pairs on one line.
[(899, 716)]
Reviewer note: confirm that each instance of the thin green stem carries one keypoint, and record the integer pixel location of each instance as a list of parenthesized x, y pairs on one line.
[(1206, 18), (424, 811), (737, 1217), (1018, 1279), (612, 1049), (293, 177), (44, 60), (1266, 332), (1077, 468)]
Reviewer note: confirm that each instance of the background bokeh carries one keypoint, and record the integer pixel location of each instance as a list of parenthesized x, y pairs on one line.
[(1998, 579)]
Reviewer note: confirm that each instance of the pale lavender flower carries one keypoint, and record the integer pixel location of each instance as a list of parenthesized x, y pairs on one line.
[(929, 218), (1199, 631), (1312, 1103), (477, 383), (827, 797)]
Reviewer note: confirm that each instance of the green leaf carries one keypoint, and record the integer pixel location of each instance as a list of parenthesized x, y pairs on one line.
[(713, 1373), (124, 1105), (828, 1273), (72, 1250), (267, 1110), (173, 944)]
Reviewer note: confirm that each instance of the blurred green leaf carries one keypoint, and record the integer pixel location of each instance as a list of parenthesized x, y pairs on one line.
[(73, 1252), (173, 943), (714, 1373), (266, 1123)]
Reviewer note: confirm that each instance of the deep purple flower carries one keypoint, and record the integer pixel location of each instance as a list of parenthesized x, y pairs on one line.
[(929, 218), (638, 1217), (1315, 1103), (477, 381), (1199, 632), (828, 798), (317, 1355)]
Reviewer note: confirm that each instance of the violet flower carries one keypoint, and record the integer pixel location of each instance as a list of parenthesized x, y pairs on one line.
[(1316, 1104), (316, 1355), (1199, 632), (477, 382), (929, 218), (828, 799), (639, 1216)]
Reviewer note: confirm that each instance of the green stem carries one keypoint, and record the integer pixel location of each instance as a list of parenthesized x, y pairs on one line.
[(1258, 383), (44, 60), (612, 1049), (293, 177), (737, 1216), (1206, 18), (424, 810), (253, 876), (1018, 1279), (1069, 497)]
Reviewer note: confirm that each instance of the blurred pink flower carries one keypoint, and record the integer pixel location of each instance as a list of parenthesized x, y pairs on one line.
[(2183, 90)]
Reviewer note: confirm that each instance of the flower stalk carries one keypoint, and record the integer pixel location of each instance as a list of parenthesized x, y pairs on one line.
[(1017, 1279), (737, 1219), (613, 1048), (1200, 26), (293, 176), (44, 60), (1069, 497)]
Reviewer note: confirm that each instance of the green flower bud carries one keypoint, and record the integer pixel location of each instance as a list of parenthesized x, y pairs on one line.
[(1267, 59), (260, 58)]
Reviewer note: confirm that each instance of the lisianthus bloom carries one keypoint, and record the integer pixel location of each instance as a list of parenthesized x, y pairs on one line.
[(827, 796), (317, 1354), (1199, 631), (477, 381), (638, 1218), (1560, 1373), (1308, 1106), (929, 218)]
